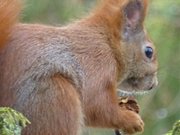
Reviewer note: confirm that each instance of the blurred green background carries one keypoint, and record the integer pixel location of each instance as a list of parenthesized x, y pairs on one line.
[(159, 109)]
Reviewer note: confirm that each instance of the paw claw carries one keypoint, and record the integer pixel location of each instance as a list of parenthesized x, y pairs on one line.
[(133, 123)]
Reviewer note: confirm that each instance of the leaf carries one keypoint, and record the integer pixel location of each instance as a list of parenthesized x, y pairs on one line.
[(11, 121), (175, 130)]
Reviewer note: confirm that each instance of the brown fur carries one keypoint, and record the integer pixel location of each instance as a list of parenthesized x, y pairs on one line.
[(9, 12), (62, 78)]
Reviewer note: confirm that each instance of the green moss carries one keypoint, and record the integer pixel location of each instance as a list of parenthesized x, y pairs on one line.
[(175, 130), (11, 121)]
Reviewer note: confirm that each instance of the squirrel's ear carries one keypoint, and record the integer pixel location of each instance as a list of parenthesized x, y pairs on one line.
[(133, 16)]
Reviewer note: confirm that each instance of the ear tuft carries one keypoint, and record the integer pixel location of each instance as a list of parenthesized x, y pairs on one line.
[(133, 13)]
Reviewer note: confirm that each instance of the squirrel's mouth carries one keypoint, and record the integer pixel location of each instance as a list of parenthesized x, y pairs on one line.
[(124, 93), (137, 86)]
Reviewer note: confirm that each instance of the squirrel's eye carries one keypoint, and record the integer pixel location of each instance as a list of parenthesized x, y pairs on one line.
[(149, 52)]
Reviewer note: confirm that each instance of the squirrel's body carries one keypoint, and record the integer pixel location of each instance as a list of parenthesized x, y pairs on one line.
[(51, 51), (63, 78)]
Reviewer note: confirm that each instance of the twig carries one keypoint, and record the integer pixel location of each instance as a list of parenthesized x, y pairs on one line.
[(117, 132)]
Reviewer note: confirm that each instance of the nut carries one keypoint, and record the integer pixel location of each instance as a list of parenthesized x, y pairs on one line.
[(129, 103)]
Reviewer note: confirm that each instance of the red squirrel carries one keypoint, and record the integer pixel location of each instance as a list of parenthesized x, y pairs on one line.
[(9, 13), (62, 78)]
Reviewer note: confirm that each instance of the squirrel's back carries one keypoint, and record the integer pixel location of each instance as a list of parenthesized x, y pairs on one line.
[(9, 12)]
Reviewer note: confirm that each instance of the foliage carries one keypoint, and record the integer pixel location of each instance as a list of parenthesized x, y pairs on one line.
[(11, 122), (175, 130)]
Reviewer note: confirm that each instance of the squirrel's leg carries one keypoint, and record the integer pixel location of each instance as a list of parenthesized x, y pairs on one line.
[(53, 108), (105, 112)]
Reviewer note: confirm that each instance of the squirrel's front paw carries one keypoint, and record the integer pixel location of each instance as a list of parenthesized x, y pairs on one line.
[(132, 122)]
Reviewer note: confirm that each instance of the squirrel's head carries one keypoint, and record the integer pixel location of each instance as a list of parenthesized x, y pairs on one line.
[(134, 51), (138, 51)]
